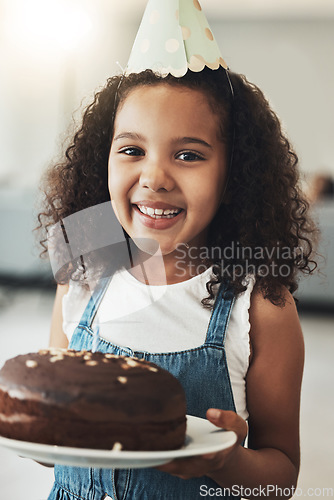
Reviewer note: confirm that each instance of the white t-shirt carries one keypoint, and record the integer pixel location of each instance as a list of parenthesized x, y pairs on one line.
[(166, 318)]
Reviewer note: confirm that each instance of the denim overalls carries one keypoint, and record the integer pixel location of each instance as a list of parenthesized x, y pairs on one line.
[(204, 375)]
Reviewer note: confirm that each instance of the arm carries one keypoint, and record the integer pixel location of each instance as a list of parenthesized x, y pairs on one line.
[(57, 336), (273, 399)]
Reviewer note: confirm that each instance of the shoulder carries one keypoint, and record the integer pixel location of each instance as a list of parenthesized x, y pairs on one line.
[(275, 331), (264, 313)]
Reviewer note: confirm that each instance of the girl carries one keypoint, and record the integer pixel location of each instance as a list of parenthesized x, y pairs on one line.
[(200, 165)]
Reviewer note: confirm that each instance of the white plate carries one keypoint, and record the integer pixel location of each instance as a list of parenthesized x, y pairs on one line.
[(202, 437)]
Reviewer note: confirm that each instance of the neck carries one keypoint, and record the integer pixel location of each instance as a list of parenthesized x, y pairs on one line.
[(168, 269)]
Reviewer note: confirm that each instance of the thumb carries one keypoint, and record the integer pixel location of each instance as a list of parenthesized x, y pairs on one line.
[(228, 420)]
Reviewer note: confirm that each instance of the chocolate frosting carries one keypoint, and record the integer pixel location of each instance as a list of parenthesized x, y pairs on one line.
[(95, 386)]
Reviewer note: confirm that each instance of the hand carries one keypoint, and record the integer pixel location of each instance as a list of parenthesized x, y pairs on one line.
[(202, 465)]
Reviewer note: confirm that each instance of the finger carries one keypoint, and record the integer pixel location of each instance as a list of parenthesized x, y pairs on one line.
[(230, 421)]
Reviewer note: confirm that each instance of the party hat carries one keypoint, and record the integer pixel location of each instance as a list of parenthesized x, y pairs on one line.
[(174, 36)]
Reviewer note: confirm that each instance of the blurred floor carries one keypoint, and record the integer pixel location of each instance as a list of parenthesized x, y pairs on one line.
[(25, 318)]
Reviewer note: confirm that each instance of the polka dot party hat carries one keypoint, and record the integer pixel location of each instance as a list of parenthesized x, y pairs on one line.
[(174, 36)]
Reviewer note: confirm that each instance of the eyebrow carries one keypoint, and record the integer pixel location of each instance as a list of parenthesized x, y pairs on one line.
[(193, 140), (179, 140), (129, 135)]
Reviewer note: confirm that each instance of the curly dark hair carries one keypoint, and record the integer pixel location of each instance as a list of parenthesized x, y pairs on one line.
[(264, 220)]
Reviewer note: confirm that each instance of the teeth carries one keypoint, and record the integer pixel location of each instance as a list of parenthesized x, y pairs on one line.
[(159, 213)]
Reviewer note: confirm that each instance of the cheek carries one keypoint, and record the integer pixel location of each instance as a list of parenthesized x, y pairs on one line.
[(207, 197), (115, 182), (120, 179), (110, 180), (113, 204), (115, 192), (119, 190)]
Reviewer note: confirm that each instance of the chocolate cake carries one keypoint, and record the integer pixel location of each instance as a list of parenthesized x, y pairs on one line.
[(91, 400)]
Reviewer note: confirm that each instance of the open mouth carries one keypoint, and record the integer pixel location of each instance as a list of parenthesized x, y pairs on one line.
[(159, 213)]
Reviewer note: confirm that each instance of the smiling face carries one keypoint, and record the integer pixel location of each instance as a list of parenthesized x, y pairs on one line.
[(167, 165)]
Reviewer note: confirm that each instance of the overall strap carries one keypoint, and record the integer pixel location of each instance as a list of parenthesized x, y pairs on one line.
[(94, 302), (220, 316)]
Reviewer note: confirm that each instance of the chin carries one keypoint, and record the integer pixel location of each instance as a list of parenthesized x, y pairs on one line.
[(166, 248)]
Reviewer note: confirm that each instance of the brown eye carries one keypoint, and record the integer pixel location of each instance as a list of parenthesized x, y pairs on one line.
[(189, 156), (132, 151)]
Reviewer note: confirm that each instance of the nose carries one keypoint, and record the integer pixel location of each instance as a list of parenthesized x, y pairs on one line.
[(155, 177)]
